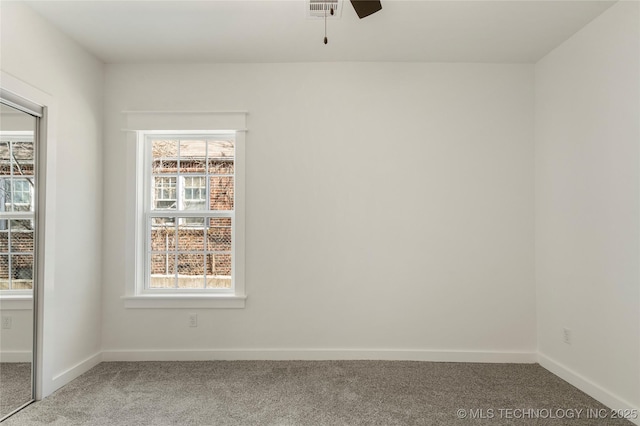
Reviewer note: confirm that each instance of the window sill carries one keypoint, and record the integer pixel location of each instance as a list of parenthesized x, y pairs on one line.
[(173, 301), (16, 302)]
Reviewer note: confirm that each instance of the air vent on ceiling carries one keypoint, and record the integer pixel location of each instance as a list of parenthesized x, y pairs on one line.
[(318, 9)]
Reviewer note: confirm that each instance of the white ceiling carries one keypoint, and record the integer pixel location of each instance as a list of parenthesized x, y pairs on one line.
[(278, 31)]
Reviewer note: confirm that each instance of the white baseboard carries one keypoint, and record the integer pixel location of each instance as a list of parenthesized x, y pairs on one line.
[(592, 389), (319, 355), (77, 370), (16, 356)]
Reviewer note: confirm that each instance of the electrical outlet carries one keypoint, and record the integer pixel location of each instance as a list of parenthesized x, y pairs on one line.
[(193, 320), (566, 336), (6, 323)]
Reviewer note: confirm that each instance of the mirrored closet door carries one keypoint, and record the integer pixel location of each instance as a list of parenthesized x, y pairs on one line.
[(18, 147)]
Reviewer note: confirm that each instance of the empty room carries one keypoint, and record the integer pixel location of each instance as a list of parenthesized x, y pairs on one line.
[(320, 212)]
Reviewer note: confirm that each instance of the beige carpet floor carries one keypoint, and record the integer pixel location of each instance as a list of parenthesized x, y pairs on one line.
[(315, 393)]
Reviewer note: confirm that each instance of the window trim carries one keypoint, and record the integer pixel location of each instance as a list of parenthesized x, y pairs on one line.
[(135, 295)]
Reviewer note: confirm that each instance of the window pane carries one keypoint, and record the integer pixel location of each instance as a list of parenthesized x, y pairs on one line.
[(163, 234), (5, 159), (4, 241), (221, 188), (222, 264), (218, 271), (22, 158), (6, 194), (195, 205), (221, 148), (190, 270), (4, 272), (221, 166), (23, 151), (22, 272), (21, 191), (19, 194), (164, 156), (218, 282), (220, 221), (194, 222), (163, 271), (193, 154), (165, 197), (191, 238), (21, 241), (195, 193), (219, 235), (221, 157), (21, 225)]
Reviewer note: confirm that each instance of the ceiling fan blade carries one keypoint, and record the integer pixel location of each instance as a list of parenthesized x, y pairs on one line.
[(365, 8)]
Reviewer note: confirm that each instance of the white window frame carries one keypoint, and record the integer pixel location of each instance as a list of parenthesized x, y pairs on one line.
[(137, 295)]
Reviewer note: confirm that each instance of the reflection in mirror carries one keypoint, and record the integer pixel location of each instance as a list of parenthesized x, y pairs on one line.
[(17, 248)]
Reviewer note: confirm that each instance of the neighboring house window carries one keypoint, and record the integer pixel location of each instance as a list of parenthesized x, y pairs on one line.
[(195, 197), (18, 194), (195, 190), (165, 193), (189, 213)]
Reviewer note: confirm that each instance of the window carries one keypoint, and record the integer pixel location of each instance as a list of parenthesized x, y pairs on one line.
[(16, 173), (190, 240), (165, 193), (185, 209), (17, 182), (195, 190), (187, 230)]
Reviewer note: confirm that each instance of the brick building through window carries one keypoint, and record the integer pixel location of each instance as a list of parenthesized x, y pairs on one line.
[(191, 213), (17, 184)]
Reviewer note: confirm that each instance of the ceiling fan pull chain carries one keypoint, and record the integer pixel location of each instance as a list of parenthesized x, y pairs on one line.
[(326, 40)]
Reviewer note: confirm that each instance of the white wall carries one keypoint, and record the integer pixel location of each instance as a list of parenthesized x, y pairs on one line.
[(389, 206), (587, 206), (16, 343), (38, 54)]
